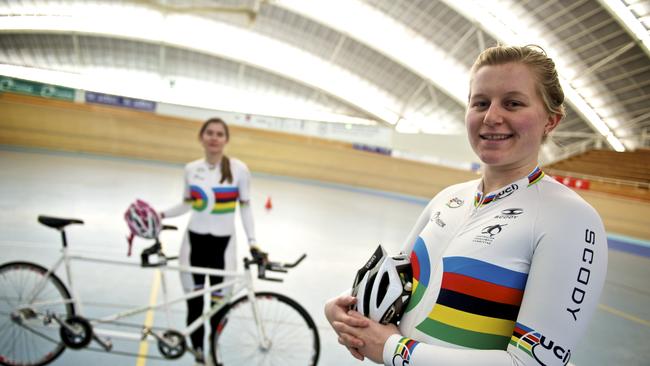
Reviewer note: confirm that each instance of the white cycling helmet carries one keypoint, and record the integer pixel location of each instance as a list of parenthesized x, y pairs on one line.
[(383, 287), (143, 221)]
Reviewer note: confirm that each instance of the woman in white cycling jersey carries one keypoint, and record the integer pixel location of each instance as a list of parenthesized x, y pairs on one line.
[(213, 186), (507, 269)]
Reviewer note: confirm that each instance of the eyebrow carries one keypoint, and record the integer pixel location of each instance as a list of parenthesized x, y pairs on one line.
[(513, 93)]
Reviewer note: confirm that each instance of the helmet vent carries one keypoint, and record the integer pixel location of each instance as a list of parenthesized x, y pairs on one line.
[(383, 288)]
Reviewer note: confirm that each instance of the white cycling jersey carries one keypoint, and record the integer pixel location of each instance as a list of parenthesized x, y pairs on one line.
[(213, 203), (508, 278)]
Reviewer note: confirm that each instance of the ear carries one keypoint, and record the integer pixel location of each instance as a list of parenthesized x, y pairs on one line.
[(552, 121)]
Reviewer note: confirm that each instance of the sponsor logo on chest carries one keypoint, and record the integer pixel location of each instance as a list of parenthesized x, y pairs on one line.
[(488, 234), (510, 213), (455, 202), (436, 218), (199, 174)]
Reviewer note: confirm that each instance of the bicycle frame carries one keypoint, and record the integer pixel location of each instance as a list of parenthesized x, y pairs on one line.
[(239, 281)]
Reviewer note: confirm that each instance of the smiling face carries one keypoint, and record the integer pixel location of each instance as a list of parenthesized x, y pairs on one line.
[(214, 138), (506, 117)]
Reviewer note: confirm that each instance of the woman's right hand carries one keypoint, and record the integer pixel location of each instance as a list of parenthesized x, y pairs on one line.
[(337, 313)]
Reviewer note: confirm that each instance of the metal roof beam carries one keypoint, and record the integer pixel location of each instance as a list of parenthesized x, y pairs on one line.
[(184, 31), (500, 23), (629, 21)]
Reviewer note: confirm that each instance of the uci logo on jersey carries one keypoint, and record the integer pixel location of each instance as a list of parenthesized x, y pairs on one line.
[(506, 192), (536, 345), (546, 352)]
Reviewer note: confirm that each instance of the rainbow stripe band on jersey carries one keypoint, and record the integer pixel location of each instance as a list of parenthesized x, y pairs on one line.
[(477, 305), (544, 350), (403, 351), (225, 199), (535, 176), (198, 197), (421, 272), (524, 338)]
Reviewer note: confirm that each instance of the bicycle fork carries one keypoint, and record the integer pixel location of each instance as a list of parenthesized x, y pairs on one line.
[(265, 341)]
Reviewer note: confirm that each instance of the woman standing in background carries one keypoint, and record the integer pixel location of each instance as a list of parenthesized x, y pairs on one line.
[(213, 186)]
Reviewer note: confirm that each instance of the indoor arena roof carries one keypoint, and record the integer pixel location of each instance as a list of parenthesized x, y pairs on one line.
[(399, 63)]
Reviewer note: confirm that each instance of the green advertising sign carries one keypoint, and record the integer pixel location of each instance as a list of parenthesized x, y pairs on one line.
[(14, 85)]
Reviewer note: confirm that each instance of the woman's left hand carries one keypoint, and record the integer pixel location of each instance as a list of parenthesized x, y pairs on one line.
[(373, 336)]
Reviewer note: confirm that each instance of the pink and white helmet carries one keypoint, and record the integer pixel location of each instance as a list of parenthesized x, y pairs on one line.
[(142, 219)]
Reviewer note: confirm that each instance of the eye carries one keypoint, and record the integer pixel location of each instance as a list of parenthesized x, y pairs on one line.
[(479, 104), (513, 103)]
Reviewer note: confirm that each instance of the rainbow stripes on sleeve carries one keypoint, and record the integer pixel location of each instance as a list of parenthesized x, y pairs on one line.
[(525, 338), (477, 305), (225, 199), (403, 351)]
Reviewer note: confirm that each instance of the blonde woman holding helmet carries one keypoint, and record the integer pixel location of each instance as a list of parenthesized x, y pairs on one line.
[(508, 269)]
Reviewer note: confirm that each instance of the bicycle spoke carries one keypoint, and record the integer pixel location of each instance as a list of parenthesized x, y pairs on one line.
[(293, 339), (28, 339)]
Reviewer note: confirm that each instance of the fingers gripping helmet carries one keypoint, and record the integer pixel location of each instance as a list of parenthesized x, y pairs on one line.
[(383, 287), (143, 221)]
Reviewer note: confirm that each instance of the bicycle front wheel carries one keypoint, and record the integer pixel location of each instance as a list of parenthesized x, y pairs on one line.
[(28, 299), (292, 337)]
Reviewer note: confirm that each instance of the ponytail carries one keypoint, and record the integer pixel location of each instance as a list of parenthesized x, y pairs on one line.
[(226, 172)]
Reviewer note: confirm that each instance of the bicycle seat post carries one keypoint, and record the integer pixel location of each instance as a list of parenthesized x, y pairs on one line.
[(63, 238)]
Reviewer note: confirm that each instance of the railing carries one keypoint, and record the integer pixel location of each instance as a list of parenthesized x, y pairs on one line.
[(595, 178)]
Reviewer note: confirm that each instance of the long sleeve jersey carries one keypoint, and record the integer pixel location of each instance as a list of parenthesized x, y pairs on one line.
[(511, 277), (213, 203)]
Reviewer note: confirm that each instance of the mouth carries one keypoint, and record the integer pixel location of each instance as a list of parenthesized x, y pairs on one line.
[(495, 136)]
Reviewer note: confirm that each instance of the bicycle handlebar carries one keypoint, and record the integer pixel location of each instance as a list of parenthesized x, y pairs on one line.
[(264, 265)]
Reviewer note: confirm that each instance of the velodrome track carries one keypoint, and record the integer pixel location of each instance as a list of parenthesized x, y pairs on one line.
[(336, 225)]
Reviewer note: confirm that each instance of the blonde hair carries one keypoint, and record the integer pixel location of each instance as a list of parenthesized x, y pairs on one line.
[(533, 56)]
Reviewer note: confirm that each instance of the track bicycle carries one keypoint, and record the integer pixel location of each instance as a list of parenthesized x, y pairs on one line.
[(41, 315)]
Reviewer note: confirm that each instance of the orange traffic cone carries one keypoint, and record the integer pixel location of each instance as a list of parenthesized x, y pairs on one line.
[(268, 205)]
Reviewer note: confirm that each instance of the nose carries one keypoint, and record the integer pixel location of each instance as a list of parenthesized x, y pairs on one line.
[(493, 116)]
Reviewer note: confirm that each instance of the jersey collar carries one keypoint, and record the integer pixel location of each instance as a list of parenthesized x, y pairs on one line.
[(535, 176)]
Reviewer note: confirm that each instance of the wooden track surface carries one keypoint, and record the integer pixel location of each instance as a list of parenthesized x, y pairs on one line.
[(59, 125)]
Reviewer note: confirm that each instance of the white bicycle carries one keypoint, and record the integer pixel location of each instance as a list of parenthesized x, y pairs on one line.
[(41, 316)]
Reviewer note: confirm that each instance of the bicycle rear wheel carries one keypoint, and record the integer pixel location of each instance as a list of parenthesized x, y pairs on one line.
[(28, 335), (291, 331)]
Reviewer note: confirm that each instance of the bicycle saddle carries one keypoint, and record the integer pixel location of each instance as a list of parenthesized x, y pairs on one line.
[(57, 222)]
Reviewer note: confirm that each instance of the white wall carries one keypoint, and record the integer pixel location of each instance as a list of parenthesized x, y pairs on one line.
[(448, 150)]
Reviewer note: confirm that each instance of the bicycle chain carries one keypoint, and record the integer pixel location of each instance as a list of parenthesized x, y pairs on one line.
[(124, 353)]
